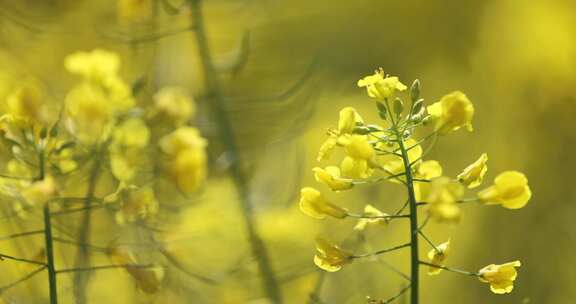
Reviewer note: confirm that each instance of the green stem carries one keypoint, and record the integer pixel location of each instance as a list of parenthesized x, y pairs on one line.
[(217, 101), (414, 260), (468, 273), (83, 255), (52, 284)]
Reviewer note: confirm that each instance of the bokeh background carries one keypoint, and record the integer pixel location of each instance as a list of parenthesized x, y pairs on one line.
[(286, 68)]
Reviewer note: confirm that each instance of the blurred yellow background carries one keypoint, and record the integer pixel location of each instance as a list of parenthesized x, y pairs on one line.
[(286, 69)]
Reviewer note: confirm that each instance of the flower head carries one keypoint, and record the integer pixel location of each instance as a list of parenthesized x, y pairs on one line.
[(96, 65), (437, 256), (473, 175), (355, 168), (510, 189), (186, 153), (373, 217), (500, 277), (330, 257), (313, 204), (442, 196), (175, 104), (452, 112), (349, 117), (381, 86), (331, 177), (357, 146)]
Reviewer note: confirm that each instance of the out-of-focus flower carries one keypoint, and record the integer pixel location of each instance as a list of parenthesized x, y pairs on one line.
[(27, 101), (128, 140), (96, 65), (313, 204), (148, 278), (373, 217), (428, 170), (135, 203), (175, 104), (381, 86), (500, 277), (40, 191), (473, 175), (331, 177), (327, 148), (452, 112), (91, 115), (134, 10), (348, 120), (330, 257), (437, 257), (442, 196), (510, 189), (186, 151)]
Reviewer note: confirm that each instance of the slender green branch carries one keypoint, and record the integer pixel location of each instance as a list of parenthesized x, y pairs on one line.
[(380, 251), (104, 267), (4, 256), (428, 241), (397, 296), (468, 273), (21, 234), (52, 283), (362, 216), (23, 279)]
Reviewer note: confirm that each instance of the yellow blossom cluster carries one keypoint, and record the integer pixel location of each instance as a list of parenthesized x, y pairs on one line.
[(394, 152)]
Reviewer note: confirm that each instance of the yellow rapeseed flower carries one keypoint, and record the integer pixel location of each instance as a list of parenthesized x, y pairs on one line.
[(348, 120), (148, 279), (96, 65), (473, 175), (355, 168), (313, 204), (136, 204), (381, 86), (358, 147), (437, 256), (331, 177), (452, 112), (500, 277), (27, 101), (429, 170), (510, 189), (186, 151), (442, 196), (175, 104), (330, 257), (373, 217)]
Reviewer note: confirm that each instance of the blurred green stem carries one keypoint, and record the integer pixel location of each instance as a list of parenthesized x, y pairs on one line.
[(83, 256), (216, 103)]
